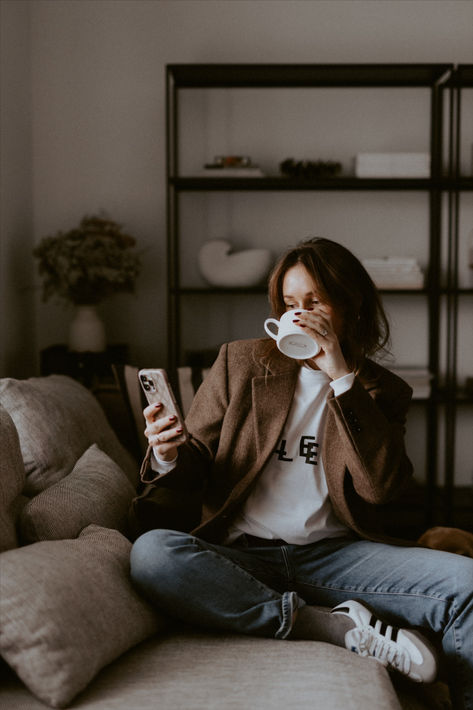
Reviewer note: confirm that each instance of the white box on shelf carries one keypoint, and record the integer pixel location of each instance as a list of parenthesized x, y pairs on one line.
[(395, 165), (395, 272)]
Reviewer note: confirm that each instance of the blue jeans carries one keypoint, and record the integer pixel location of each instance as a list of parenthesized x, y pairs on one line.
[(255, 590)]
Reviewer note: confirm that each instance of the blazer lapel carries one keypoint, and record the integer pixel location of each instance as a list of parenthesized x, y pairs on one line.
[(272, 397)]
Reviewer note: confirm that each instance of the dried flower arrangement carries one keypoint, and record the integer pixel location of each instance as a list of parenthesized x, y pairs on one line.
[(86, 264)]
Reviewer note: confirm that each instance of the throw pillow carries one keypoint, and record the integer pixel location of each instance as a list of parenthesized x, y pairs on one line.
[(12, 480), (67, 609), (96, 491), (57, 419)]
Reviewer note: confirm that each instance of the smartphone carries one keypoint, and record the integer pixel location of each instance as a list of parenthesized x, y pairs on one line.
[(157, 388)]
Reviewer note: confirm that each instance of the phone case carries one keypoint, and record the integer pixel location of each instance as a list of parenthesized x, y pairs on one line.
[(157, 388)]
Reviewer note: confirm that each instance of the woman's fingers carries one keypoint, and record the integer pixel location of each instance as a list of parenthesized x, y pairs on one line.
[(156, 427), (162, 432), (165, 436), (320, 324), (151, 411)]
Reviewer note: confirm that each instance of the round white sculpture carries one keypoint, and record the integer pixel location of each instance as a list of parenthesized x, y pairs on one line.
[(222, 267)]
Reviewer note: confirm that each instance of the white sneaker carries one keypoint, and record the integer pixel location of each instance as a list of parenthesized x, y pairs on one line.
[(403, 650)]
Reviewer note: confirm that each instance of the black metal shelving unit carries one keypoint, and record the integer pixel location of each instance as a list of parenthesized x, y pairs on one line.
[(441, 80)]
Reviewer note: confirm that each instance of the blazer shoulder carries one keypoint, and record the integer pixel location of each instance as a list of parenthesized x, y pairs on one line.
[(247, 354), (259, 356)]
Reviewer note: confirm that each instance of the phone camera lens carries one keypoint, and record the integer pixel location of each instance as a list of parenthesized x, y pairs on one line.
[(145, 382)]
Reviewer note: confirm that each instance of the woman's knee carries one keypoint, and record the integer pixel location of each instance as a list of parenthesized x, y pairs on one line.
[(462, 577), (151, 556)]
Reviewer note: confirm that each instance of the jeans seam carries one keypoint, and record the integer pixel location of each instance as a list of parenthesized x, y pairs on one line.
[(356, 590), (285, 556)]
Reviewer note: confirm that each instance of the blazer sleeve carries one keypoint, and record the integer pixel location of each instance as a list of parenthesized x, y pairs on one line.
[(174, 499), (371, 425)]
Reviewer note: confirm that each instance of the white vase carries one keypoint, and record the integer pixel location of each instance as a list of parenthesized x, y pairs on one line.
[(86, 331)]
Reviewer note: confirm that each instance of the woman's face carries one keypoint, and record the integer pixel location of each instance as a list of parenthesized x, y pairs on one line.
[(299, 291)]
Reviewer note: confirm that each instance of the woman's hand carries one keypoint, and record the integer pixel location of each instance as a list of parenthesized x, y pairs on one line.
[(161, 432), (318, 323)]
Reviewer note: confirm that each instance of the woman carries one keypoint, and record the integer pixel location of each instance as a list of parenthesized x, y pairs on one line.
[(271, 507)]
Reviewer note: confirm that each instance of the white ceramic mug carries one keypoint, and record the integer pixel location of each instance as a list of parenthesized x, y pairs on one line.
[(291, 339)]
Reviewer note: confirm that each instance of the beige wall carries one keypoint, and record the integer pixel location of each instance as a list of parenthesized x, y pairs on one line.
[(91, 73), (17, 334)]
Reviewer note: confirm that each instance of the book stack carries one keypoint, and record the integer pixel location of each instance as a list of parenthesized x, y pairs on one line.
[(418, 378), (392, 165), (395, 272)]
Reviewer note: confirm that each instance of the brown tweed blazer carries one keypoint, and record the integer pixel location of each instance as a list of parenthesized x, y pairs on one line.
[(235, 424)]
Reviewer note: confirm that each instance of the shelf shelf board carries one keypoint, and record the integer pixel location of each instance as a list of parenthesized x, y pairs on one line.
[(213, 290), (460, 396), (403, 291), (463, 397), (306, 75), (283, 183), (462, 76), (276, 183), (441, 399), (445, 291), (464, 183)]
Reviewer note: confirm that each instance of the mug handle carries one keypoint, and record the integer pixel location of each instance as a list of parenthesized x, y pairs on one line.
[(274, 336)]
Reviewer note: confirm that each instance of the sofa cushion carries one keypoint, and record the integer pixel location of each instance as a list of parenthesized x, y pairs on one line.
[(227, 672), (67, 608), (12, 478), (57, 419), (95, 492)]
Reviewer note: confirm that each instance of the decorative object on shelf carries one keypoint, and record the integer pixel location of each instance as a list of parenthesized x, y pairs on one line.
[(395, 272), (231, 166), (83, 267), (309, 168), (226, 269), (392, 165)]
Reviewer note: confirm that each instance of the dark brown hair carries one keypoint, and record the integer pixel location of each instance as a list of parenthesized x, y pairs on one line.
[(341, 281)]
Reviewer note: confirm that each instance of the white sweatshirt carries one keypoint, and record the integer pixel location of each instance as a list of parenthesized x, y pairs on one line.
[(290, 500)]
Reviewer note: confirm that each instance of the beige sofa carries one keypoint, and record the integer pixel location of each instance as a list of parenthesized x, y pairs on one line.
[(73, 631)]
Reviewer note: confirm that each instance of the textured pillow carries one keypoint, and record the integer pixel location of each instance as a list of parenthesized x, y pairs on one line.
[(67, 609), (12, 480), (96, 491), (57, 419)]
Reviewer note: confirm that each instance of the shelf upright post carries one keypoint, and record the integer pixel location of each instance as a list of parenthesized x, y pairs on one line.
[(172, 157), (434, 300), (452, 299)]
